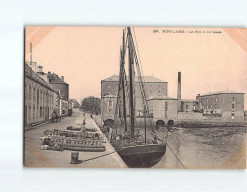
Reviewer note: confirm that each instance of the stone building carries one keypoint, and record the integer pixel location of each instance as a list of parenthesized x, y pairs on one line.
[(58, 83), (163, 110), (39, 99), (60, 87), (64, 107), (190, 105), (74, 103), (109, 89), (108, 105), (227, 105)]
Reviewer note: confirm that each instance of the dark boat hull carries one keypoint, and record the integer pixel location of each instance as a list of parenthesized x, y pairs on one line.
[(142, 156)]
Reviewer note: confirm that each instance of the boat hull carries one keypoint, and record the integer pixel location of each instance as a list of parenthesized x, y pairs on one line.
[(142, 156)]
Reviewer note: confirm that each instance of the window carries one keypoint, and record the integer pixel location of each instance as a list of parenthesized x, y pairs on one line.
[(159, 88), (29, 112), (110, 103), (211, 106), (187, 107), (166, 106), (30, 92), (232, 105), (37, 97), (41, 112), (233, 99), (216, 99), (207, 99), (159, 93), (232, 113), (34, 94)]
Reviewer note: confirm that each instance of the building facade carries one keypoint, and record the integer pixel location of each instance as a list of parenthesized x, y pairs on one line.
[(192, 105), (109, 89), (39, 99), (227, 105), (44, 94), (58, 83), (108, 105), (163, 110), (74, 103), (61, 88)]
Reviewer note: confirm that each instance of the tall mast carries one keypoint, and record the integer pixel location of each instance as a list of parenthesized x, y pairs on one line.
[(123, 87), (145, 128), (142, 84), (131, 94)]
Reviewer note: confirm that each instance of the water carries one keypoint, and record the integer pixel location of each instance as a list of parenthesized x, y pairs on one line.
[(196, 148)]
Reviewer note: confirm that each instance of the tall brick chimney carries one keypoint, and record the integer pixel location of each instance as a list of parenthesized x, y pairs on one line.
[(179, 92)]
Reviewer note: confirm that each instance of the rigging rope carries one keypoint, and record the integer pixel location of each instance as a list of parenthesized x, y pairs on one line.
[(175, 156), (141, 77), (98, 156)]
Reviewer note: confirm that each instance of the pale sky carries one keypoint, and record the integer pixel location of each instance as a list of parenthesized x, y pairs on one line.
[(87, 55)]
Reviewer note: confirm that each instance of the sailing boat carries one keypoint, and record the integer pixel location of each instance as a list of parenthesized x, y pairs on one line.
[(133, 144)]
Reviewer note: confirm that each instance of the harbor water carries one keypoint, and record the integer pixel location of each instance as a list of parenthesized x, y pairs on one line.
[(221, 147)]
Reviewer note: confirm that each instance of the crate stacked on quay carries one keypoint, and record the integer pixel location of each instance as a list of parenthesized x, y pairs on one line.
[(60, 140)]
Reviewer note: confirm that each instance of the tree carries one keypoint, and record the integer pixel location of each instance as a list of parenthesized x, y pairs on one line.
[(91, 103)]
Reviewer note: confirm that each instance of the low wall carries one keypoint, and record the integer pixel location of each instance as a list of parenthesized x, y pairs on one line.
[(205, 124), (197, 120), (188, 119), (191, 116)]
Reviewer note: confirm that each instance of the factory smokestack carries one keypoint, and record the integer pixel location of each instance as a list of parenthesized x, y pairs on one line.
[(179, 92)]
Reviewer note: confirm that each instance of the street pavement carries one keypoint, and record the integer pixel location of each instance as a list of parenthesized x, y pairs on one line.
[(35, 157)]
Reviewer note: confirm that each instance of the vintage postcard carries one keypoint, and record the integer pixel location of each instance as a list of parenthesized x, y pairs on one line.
[(135, 97)]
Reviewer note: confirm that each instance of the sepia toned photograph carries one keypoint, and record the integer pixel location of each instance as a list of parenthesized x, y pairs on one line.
[(135, 97)]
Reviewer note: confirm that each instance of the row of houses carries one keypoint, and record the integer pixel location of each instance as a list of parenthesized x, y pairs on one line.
[(45, 94)]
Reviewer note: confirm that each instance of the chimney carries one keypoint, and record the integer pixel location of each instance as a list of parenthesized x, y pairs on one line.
[(40, 69), (62, 78), (179, 92), (198, 95)]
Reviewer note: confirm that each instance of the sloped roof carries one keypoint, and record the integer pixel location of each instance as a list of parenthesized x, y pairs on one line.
[(189, 100), (54, 79), (222, 92), (147, 79), (32, 75), (162, 97)]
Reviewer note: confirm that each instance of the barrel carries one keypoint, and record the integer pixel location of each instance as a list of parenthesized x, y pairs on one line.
[(74, 158)]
